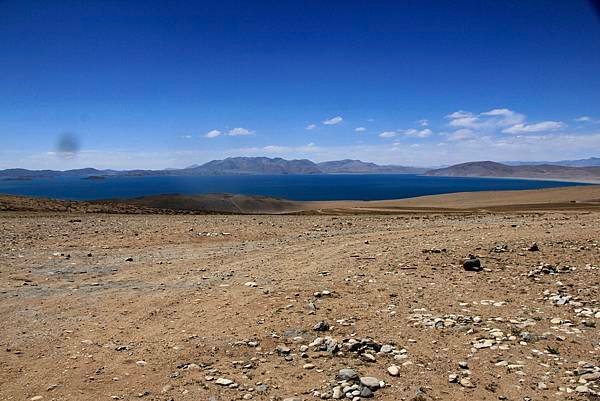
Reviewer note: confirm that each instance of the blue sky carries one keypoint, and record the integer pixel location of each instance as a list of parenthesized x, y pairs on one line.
[(167, 84)]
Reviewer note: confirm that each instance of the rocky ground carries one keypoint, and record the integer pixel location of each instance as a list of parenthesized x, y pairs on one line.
[(159, 307)]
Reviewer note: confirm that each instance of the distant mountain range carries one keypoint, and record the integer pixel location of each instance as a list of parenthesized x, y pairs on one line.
[(541, 171), (589, 162), (279, 166), (229, 166), (348, 166)]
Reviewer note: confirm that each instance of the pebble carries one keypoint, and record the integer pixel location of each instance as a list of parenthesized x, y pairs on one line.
[(370, 382), (223, 382), (37, 398), (466, 382), (282, 349), (453, 378), (308, 366), (386, 348), (250, 284), (393, 370), (365, 392), (321, 326), (589, 377), (347, 375), (368, 357)]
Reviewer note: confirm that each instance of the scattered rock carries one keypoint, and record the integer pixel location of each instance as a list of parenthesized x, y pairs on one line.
[(466, 382), (321, 326), (472, 264), (370, 382), (223, 381), (393, 370), (347, 375)]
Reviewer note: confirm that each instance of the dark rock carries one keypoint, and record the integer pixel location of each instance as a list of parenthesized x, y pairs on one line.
[(472, 264), (321, 326), (366, 392)]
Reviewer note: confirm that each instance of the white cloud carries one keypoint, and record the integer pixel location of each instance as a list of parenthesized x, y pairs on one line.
[(537, 127), (213, 134), (232, 132), (333, 120), (311, 127), (583, 119), (414, 133), (388, 134), (360, 129), (239, 132), (423, 123), (424, 133), (489, 120), (460, 135), (280, 150), (459, 114)]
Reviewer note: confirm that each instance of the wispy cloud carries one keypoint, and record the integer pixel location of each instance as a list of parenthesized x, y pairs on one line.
[(279, 150), (213, 133), (360, 129), (423, 123), (583, 119), (424, 133), (460, 135), (388, 134), (311, 127), (333, 120), (415, 133), (239, 132), (543, 126), (489, 120), (494, 122)]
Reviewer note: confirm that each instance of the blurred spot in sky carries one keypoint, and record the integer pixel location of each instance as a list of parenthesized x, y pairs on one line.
[(67, 146)]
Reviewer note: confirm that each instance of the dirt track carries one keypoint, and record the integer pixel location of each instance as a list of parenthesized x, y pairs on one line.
[(169, 323)]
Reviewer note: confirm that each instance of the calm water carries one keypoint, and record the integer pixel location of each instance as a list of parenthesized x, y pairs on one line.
[(296, 187)]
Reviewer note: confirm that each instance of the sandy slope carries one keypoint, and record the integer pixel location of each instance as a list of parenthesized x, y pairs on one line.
[(566, 197)]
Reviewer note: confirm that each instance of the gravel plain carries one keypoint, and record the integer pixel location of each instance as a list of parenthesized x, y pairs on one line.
[(269, 307)]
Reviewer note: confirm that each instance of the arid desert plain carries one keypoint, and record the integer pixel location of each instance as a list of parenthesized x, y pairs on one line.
[(336, 302)]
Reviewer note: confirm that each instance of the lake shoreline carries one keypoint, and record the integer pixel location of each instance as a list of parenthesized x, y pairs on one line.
[(561, 198)]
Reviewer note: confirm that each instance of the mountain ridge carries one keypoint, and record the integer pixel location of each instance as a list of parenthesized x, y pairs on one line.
[(280, 166), (228, 166), (499, 170)]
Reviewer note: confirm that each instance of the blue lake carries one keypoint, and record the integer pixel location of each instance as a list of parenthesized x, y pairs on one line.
[(295, 187)]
